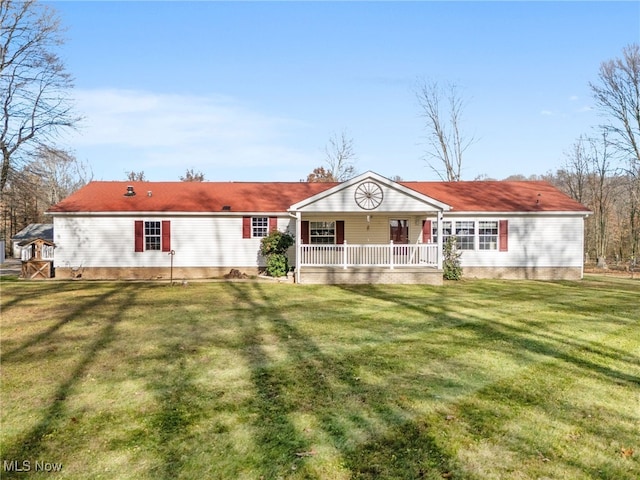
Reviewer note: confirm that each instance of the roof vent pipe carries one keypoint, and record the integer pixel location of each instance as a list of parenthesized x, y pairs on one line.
[(130, 192)]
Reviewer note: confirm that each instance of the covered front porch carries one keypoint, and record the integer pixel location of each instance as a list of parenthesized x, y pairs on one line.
[(368, 230)]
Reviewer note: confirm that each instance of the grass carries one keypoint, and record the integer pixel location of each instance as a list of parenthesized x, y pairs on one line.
[(250, 380)]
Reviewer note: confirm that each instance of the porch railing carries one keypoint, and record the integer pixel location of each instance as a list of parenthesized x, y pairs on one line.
[(387, 255)]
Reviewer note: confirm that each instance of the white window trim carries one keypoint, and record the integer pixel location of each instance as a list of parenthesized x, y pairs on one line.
[(328, 225), (148, 236), (257, 228)]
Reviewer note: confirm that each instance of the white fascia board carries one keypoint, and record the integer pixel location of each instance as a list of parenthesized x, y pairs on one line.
[(166, 214), (561, 213)]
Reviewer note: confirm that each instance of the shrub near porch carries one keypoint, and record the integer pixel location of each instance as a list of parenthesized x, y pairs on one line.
[(472, 380)]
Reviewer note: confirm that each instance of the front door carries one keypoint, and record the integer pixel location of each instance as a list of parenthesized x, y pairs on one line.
[(399, 231)]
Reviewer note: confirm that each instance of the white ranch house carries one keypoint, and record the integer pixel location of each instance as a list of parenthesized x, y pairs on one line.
[(365, 230)]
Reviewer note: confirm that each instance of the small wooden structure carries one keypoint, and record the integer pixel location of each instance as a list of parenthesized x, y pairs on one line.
[(37, 259)]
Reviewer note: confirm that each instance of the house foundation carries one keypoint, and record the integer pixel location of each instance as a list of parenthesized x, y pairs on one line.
[(371, 275), (524, 273), (149, 273)]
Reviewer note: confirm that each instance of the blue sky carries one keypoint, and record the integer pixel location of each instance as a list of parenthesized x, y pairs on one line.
[(253, 91)]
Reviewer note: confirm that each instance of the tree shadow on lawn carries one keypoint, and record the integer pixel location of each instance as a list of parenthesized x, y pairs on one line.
[(530, 336), (32, 444), (180, 408), (47, 335), (538, 419), (490, 408), (327, 388), (21, 291)]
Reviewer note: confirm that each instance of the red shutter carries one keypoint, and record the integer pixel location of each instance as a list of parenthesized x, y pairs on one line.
[(246, 227), (139, 236), (166, 236), (426, 231), (304, 234), (503, 232), (273, 224), (340, 232)]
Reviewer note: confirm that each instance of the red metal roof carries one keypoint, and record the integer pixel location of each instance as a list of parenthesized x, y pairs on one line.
[(189, 196), (499, 196), (484, 196)]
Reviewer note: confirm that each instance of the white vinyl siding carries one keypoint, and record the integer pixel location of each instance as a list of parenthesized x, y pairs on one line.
[(108, 241), (534, 241)]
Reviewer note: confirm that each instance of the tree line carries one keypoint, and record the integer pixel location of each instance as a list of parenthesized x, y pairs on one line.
[(602, 169)]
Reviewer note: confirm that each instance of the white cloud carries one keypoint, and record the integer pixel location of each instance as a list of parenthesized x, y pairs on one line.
[(188, 130), (547, 113), (574, 98)]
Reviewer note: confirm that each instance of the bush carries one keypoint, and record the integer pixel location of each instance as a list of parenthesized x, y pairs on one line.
[(274, 246), (451, 261), (277, 265)]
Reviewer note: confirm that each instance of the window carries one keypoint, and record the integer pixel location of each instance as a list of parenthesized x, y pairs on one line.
[(491, 234), (259, 226), (465, 234), (322, 233), (152, 235), (446, 231), (488, 235)]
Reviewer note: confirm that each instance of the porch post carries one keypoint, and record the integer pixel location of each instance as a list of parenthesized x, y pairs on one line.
[(344, 255), (391, 255), (298, 246), (439, 219)]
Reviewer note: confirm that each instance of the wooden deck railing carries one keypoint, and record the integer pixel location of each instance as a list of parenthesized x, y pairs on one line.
[(386, 255)]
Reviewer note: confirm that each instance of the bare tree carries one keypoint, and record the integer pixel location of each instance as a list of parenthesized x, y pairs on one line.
[(340, 157), (34, 84), (61, 173), (599, 160), (339, 160), (192, 176), (617, 96), (50, 176), (443, 125), (136, 176), (573, 177)]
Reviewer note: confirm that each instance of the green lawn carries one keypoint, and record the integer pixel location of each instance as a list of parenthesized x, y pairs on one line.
[(255, 380)]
